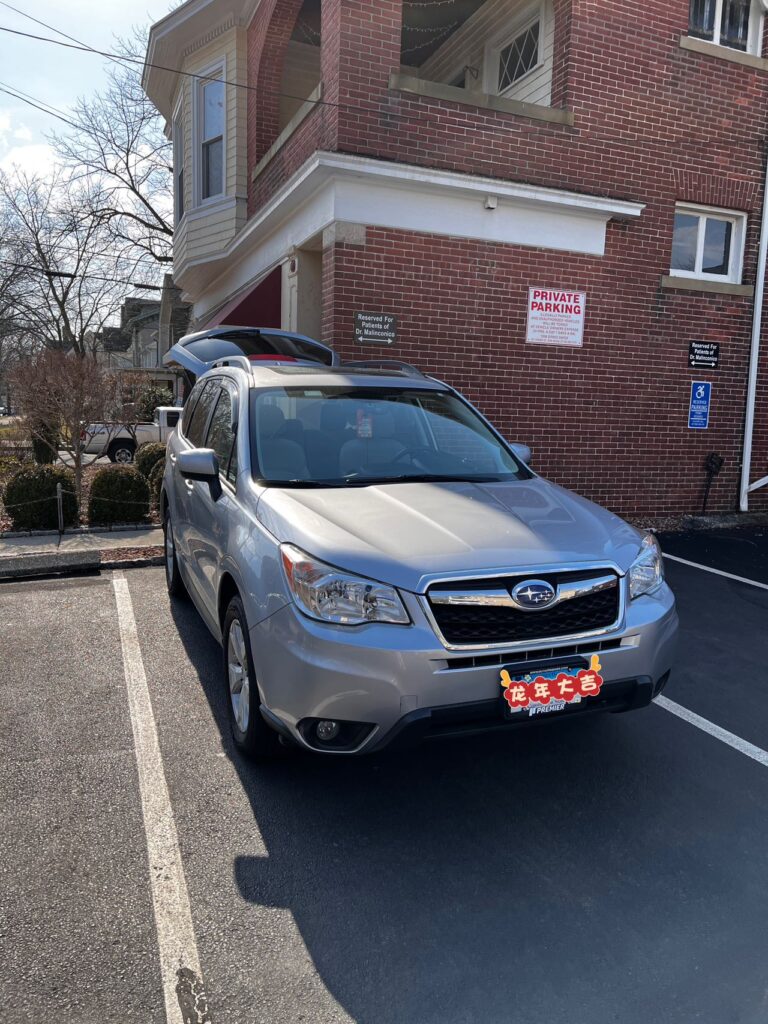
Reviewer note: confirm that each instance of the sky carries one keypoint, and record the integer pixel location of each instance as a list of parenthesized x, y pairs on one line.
[(53, 74)]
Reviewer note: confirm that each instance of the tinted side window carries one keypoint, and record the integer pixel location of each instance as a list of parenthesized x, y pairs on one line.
[(196, 430), (221, 437), (189, 407)]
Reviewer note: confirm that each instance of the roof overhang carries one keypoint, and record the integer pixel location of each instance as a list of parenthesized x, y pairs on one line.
[(194, 23), (336, 187)]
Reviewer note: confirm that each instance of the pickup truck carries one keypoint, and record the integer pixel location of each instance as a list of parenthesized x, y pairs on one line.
[(119, 442)]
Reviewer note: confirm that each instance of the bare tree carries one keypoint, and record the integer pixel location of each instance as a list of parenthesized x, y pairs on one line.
[(70, 287), (120, 149), (69, 391)]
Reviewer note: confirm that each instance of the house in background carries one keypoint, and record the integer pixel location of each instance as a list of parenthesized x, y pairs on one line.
[(148, 328), (553, 205)]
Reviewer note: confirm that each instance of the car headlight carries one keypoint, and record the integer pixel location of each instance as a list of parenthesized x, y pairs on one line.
[(647, 572), (332, 595)]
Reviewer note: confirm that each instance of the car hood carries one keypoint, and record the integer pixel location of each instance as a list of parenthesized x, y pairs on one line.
[(405, 534)]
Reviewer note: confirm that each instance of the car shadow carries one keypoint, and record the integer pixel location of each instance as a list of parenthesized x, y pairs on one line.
[(521, 876)]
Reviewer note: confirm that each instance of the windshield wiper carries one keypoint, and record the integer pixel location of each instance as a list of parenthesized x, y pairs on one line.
[(423, 478), (303, 483), (374, 481)]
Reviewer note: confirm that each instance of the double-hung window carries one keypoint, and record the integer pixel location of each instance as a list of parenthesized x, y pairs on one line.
[(732, 23), (211, 127), (708, 244)]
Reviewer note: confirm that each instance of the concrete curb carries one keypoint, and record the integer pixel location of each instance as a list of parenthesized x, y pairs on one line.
[(71, 563), (80, 531)]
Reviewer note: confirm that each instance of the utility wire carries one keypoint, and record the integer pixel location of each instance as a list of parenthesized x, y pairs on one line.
[(67, 274), (122, 59)]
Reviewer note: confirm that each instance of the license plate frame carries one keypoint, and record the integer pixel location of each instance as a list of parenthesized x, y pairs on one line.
[(517, 675)]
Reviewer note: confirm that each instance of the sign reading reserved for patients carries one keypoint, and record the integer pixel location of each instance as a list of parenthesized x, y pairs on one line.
[(556, 317)]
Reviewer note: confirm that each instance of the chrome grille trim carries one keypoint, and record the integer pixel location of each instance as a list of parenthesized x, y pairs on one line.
[(605, 573), (499, 597)]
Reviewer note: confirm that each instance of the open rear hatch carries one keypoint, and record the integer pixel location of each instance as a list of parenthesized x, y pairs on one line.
[(197, 353)]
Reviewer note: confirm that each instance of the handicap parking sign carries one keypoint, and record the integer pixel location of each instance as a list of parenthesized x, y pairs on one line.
[(698, 412)]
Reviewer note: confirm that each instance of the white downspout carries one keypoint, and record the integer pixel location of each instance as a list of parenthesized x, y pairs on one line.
[(754, 357)]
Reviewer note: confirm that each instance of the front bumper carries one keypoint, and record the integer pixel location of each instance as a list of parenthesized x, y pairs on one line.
[(403, 682)]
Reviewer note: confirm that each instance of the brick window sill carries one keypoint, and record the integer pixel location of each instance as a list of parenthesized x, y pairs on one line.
[(435, 90), (693, 284), (303, 112), (747, 60)]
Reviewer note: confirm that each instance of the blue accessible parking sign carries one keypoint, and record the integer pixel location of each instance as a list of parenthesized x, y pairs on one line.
[(698, 413)]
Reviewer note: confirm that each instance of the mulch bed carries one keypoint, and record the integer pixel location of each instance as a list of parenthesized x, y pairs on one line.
[(131, 558)]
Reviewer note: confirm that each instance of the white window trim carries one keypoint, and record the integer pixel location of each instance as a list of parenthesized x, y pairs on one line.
[(218, 69), (738, 239), (493, 49), (755, 36), (179, 147)]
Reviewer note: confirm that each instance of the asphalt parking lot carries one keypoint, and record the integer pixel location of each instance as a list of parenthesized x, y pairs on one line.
[(598, 870)]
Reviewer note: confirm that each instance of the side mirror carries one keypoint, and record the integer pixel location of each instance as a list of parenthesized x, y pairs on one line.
[(203, 465), (523, 452)]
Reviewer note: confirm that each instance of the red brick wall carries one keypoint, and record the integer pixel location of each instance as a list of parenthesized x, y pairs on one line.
[(268, 37), (608, 420), (652, 123)]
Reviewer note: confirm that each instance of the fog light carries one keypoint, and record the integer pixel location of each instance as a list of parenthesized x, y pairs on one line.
[(327, 731)]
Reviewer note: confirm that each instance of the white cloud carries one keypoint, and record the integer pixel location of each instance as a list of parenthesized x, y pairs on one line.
[(23, 134), (34, 159)]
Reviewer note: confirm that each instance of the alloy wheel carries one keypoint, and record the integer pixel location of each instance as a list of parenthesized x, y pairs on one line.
[(239, 683)]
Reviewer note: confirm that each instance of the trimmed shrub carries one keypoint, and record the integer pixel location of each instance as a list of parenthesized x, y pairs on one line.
[(148, 455), (30, 498), (45, 443), (119, 494), (156, 481)]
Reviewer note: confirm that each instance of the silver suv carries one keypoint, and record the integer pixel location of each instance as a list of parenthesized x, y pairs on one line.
[(379, 564)]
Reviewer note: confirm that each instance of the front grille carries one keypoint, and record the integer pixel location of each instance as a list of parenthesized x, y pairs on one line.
[(504, 658), (487, 624)]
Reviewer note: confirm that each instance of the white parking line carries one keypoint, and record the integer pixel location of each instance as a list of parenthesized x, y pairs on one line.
[(717, 572), (185, 999), (743, 746)]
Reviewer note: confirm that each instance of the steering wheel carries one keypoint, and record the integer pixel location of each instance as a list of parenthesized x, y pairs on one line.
[(411, 452)]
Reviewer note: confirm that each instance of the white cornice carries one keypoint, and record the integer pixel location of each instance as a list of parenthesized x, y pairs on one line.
[(210, 37), (334, 187), (182, 32)]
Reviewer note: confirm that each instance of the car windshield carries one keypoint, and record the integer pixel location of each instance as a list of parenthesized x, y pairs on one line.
[(346, 437)]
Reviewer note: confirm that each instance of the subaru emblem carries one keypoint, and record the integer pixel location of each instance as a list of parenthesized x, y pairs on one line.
[(533, 595)]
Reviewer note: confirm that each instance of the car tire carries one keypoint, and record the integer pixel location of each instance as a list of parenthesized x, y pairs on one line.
[(173, 580), (251, 734), (122, 452)]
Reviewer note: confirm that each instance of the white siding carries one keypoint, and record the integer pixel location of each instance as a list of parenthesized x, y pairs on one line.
[(475, 45), (207, 229)]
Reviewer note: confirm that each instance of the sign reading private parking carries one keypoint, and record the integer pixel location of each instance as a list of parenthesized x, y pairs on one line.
[(375, 328), (556, 317), (704, 354), (701, 398)]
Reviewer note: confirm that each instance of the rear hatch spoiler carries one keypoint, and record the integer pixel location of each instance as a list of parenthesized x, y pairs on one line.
[(197, 353)]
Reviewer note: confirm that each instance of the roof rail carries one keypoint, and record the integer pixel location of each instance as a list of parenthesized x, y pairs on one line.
[(384, 364), (242, 361)]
